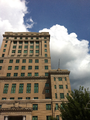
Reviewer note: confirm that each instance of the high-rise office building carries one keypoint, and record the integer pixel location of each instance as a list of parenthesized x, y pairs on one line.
[(29, 88)]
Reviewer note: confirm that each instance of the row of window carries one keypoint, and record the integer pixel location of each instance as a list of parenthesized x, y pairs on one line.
[(24, 61), (59, 79), (21, 86), (23, 74), (61, 86), (25, 37), (61, 95), (47, 117), (24, 67)]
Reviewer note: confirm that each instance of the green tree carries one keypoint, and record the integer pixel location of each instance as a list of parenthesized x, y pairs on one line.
[(77, 107), (52, 118)]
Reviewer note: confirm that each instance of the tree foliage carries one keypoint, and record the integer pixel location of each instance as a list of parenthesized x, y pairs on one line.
[(77, 106)]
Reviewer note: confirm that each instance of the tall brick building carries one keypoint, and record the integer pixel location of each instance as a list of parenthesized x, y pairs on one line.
[(30, 89)]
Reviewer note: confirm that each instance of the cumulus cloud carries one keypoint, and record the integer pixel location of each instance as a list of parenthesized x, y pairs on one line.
[(73, 53), (12, 14)]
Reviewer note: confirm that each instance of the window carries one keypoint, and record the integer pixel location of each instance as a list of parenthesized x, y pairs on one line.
[(37, 51), (67, 94), (31, 51), (57, 116), (0, 67), (56, 95), (45, 41), (35, 106), (19, 51), (55, 86), (45, 45), (28, 88), (34, 117), (46, 67), (46, 74), (19, 98), (29, 74), (26, 42), (10, 61), (4, 50), (31, 37), (6, 41), (22, 74), (13, 51), (0, 106), (15, 74), (35, 87), (36, 67), (17, 61), (5, 45), (47, 91), (45, 55), (37, 47), (59, 79), (31, 47), (35, 97), (56, 106), (13, 89), (46, 84), (62, 95), (31, 42), (25, 51), (48, 117), (20, 46), (26, 37), (28, 98), (1, 61), (60, 86), (46, 60), (37, 42), (66, 87), (45, 50), (16, 67), (47, 98), (3, 98), (3, 55), (29, 67), (15, 37), (12, 98), (7, 37), (8, 74), (25, 46), (36, 74), (20, 37), (14, 46), (24, 61), (9, 67), (21, 88), (20, 42), (36, 37), (30, 60), (5, 88), (36, 61), (65, 79), (48, 106), (23, 67)]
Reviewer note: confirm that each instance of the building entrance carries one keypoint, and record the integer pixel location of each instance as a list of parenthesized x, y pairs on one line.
[(15, 117)]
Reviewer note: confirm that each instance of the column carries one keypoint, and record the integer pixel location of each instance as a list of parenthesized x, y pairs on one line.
[(57, 87), (6, 118), (39, 48), (17, 48), (28, 48), (10, 52), (64, 86), (34, 48), (22, 48), (24, 118)]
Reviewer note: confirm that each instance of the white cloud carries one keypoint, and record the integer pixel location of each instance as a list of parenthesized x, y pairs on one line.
[(73, 54), (12, 14)]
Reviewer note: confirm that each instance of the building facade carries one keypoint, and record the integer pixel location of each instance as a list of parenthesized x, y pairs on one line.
[(30, 89)]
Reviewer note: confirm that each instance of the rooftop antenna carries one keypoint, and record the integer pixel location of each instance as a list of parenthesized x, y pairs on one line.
[(59, 64)]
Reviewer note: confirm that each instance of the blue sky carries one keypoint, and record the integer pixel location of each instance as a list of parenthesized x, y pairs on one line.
[(68, 23), (73, 14)]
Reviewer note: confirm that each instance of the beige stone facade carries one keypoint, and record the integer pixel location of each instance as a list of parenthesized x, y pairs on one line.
[(30, 89)]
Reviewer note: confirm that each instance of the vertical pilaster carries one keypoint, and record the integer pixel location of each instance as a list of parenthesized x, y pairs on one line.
[(40, 48), (34, 48), (17, 48), (10, 52), (28, 48), (22, 48), (57, 88)]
